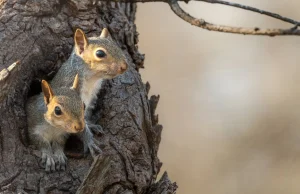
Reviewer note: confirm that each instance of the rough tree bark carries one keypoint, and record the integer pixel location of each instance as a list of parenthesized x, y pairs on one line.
[(39, 34)]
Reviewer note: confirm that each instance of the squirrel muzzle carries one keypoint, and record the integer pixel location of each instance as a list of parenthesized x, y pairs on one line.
[(78, 126), (122, 68)]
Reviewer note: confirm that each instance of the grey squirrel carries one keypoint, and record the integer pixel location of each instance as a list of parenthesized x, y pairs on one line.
[(94, 59), (51, 117)]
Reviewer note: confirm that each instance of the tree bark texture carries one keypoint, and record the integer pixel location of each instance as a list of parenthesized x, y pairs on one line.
[(39, 33)]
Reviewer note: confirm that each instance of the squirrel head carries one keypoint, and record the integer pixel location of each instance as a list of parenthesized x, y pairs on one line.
[(65, 109), (101, 54)]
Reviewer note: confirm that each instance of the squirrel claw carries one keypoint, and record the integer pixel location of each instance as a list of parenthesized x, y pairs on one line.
[(61, 166), (90, 143), (48, 162), (61, 160), (93, 148), (97, 129)]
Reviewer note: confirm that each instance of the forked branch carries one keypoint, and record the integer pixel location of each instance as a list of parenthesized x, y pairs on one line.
[(253, 9), (223, 28), (236, 30)]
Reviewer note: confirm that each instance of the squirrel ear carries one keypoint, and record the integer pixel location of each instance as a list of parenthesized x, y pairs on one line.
[(48, 93), (81, 41), (105, 34), (75, 83)]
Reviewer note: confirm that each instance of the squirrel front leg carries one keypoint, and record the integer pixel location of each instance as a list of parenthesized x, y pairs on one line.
[(58, 151), (47, 155), (96, 128), (48, 159), (89, 142)]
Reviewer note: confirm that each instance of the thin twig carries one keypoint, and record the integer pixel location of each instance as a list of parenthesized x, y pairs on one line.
[(249, 8), (229, 29)]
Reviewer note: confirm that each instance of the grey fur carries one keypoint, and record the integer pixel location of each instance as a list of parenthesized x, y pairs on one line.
[(49, 139), (75, 64)]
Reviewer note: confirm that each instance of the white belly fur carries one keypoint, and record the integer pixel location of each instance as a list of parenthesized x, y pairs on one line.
[(49, 133), (90, 89)]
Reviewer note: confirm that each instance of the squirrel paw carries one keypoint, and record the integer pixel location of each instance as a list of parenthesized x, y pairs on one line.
[(93, 148), (60, 160), (48, 162), (96, 128)]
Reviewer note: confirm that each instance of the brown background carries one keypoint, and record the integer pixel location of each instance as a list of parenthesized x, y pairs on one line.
[(229, 103)]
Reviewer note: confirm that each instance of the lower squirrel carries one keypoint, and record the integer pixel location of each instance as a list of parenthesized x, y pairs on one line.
[(95, 59), (51, 117)]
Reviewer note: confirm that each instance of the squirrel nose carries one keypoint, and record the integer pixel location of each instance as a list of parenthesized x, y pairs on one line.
[(123, 67), (79, 126)]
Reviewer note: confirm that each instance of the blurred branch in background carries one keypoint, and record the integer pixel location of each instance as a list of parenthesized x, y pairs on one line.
[(222, 28), (245, 7), (236, 30)]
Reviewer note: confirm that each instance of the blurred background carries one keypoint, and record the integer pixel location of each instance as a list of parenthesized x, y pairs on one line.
[(230, 104)]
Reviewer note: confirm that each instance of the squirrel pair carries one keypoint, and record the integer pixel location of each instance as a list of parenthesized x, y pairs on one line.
[(92, 60)]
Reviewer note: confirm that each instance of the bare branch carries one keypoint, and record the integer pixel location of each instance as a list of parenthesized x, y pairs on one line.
[(229, 29), (249, 8)]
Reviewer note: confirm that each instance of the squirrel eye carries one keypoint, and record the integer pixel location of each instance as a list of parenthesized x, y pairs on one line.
[(100, 53), (57, 111), (83, 106)]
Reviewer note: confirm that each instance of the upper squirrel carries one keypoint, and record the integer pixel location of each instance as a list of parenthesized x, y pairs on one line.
[(94, 59), (51, 117)]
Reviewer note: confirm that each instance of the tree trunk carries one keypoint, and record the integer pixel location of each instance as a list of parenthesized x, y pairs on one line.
[(39, 33)]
